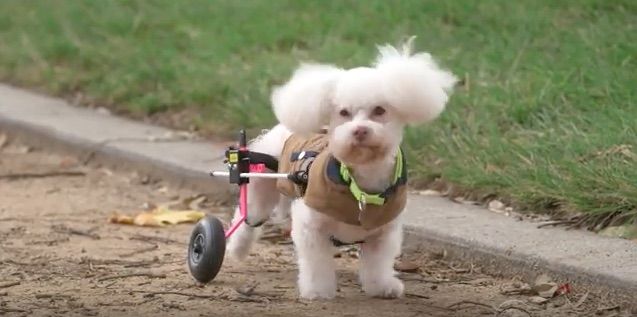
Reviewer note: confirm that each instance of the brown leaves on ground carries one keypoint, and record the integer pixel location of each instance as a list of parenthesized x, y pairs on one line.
[(158, 217)]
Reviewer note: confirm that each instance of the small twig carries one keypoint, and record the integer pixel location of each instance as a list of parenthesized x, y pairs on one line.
[(44, 296), (13, 310), (145, 238), (426, 280), (84, 233), (247, 290), (151, 248), (246, 299), (146, 274), (15, 176), (501, 309), (557, 223), (9, 284), (414, 295), (124, 263), (602, 309), (151, 293), (470, 302)]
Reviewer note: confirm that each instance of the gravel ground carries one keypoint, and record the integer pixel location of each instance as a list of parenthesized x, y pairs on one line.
[(60, 256)]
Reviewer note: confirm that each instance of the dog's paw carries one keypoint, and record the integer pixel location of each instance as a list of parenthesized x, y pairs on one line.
[(387, 288), (316, 293), (237, 250)]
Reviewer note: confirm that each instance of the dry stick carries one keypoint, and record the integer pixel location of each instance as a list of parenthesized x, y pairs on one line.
[(9, 284), (44, 296), (151, 248), (176, 293), (146, 238), (151, 275), (470, 302), (513, 308), (416, 295), (84, 233), (13, 310), (557, 223), (41, 175)]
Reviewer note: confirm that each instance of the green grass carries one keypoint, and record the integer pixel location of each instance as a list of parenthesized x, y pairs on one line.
[(546, 118)]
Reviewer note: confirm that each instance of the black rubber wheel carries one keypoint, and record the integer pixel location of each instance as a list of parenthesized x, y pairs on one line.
[(206, 249)]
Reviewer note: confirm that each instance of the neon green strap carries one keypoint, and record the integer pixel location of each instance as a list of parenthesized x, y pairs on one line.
[(359, 194)]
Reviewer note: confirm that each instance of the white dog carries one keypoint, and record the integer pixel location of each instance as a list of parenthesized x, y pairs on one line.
[(365, 110)]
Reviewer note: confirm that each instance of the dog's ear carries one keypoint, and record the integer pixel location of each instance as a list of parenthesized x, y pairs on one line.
[(304, 103), (413, 83)]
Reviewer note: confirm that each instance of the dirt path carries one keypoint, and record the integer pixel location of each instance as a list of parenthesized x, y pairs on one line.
[(59, 256)]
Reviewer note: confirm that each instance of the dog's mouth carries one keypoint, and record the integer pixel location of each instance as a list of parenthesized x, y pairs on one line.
[(362, 152)]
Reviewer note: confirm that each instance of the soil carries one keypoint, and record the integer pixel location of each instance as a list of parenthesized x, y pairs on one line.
[(60, 256)]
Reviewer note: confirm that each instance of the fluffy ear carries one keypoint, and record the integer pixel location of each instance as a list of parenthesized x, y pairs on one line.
[(303, 104), (414, 84)]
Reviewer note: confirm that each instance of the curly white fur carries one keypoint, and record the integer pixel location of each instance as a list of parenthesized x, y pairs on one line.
[(366, 109)]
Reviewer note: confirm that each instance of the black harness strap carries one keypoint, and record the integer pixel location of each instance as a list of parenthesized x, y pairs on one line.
[(261, 158)]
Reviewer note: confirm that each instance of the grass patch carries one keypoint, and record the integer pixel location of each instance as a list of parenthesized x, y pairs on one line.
[(547, 116)]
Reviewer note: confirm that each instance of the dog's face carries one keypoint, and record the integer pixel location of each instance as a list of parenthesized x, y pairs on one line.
[(366, 108), (363, 125)]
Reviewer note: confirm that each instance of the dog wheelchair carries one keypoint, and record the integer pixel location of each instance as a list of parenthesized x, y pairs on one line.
[(207, 244)]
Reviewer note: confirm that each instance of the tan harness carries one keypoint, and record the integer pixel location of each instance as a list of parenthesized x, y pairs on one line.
[(327, 191)]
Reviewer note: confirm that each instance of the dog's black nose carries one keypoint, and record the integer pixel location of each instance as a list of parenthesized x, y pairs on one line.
[(360, 133)]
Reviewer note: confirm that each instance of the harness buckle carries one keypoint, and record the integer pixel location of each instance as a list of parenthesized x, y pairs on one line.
[(362, 204)]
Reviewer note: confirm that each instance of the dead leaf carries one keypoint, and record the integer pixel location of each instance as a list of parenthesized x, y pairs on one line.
[(496, 206), (159, 217), (544, 286), (120, 218), (406, 266), (581, 300), (538, 300)]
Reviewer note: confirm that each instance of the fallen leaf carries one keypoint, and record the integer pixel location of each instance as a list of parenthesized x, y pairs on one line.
[(120, 218), (162, 217), (158, 218), (544, 286), (581, 300), (406, 266), (496, 206)]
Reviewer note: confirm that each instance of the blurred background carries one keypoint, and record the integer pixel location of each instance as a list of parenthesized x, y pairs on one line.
[(544, 118)]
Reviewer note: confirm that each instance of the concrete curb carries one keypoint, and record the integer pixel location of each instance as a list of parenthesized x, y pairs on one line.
[(469, 233)]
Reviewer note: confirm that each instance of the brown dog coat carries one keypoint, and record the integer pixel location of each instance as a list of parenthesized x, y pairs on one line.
[(327, 191)]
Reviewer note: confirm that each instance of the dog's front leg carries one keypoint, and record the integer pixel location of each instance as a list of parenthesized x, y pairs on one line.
[(262, 199), (317, 272), (378, 253)]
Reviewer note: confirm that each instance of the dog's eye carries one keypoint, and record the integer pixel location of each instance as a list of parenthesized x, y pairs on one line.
[(343, 113), (378, 111)]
